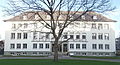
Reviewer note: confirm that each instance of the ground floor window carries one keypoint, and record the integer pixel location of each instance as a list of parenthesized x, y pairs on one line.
[(71, 46)]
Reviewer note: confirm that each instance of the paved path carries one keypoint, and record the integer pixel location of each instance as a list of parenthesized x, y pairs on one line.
[(62, 57)]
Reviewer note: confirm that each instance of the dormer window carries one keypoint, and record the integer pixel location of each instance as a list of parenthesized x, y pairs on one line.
[(60, 16), (37, 17), (24, 17), (83, 17), (94, 17), (48, 17)]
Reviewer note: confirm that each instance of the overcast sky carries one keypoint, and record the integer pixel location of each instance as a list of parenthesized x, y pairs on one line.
[(115, 15)]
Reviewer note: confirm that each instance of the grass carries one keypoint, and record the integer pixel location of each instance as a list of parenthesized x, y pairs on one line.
[(22, 56), (50, 62), (100, 57)]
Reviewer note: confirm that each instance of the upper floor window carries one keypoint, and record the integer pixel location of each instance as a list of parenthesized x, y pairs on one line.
[(47, 46), (65, 36), (100, 26), (12, 35), (71, 36), (77, 36), (18, 35), (100, 36), (13, 26), (25, 35), (25, 25), (106, 26), (106, 36), (19, 25), (94, 35), (40, 45), (34, 35), (47, 36), (83, 35), (93, 25)]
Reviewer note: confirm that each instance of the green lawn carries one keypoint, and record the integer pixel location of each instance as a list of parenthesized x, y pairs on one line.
[(50, 62), (99, 57)]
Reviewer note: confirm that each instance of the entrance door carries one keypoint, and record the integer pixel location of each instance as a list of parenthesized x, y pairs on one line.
[(59, 48), (65, 48)]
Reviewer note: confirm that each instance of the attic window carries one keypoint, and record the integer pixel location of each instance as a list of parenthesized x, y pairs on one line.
[(83, 17), (48, 16), (24, 17), (94, 17), (37, 17)]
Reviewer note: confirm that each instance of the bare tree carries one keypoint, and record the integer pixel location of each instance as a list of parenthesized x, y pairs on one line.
[(55, 8)]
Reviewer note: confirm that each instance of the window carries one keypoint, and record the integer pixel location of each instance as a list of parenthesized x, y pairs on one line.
[(95, 17), (25, 25), (13, 26), (12, 35), (77, 36), (83, 46), (24, 46), (106, 26), (93, 26), (24, 17), (35, 53), (37, 17), (12, 46), (71, 46), (19, 25), (65, 36), (94, 46), (18, 35), (84, 36), (34, 46), (47, 46), (24, 35), (47, 36), (77, 46), (100, 36), (100, 26), (107, 46), (48, 17), (83, 17), (106, 36), (34, 35), (18, 46), (40, 45), (71, 36), (94, 35), (100, 46)]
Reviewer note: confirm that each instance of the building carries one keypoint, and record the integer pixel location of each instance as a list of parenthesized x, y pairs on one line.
[(1, 47), (117, 40), (90, 35)]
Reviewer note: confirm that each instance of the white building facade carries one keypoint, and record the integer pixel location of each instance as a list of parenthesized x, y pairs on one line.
[(87, 38)]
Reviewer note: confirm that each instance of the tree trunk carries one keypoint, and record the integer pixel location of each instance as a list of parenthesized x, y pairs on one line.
[(55, 51)]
